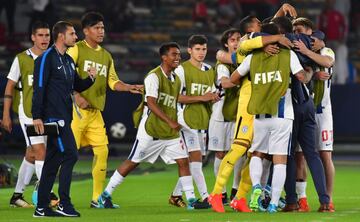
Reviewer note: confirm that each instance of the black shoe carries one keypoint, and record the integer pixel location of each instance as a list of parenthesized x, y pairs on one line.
[(67, 210), (202, 204), (17, 200), (94, 204), (225, 199), (46, 212), (233, 193)]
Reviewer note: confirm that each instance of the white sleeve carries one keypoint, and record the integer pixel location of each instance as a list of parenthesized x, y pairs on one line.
[(179, 71), (151, 83), (295, 65), (14, 73), (327, 52), (244, 67), (222, 71)]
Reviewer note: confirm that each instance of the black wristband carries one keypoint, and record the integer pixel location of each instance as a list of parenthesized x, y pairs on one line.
[(8, 96)]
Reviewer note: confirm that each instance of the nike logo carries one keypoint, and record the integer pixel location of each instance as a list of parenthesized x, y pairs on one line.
[(61, 207), (40, 213), (59, 67), (327, 144)]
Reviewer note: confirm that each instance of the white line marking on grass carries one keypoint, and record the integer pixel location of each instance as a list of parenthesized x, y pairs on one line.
[(184, 220)]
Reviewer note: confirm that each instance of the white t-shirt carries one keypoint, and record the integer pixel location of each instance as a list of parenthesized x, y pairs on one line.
[(326, 101), (217, 114), (14, 73), (285, 104)]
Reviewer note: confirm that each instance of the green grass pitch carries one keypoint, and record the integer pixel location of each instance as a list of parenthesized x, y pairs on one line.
[(144, 197)]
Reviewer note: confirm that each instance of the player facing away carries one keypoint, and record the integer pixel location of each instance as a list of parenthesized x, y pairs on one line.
[(90, 128), (223, 116), (158, 130), (18, 94), (194, 110), (325, 59)]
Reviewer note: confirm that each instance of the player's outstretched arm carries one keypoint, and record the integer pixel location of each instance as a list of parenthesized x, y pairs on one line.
[(207, 97), (322, 60), (286, 9), (124, 87)]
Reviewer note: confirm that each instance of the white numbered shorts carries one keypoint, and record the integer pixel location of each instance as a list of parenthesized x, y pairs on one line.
[(221, 135), (24, 120), (272, 136), (148, 149)]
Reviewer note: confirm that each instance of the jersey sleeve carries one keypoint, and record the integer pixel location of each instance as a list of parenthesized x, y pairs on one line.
[(295, 65), (327, 52), (179, 71), (151, 83), (74, 53), (14, 73), (246, 46), (244, 67), (222, 71), (113, 77)]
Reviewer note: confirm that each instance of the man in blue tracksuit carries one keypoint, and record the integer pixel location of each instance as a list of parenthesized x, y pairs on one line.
[(55, 79)]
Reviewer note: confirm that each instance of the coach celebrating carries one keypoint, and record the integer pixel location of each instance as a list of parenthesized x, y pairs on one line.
[(55, 79)]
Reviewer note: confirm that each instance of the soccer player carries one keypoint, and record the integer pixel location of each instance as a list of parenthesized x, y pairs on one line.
[(197, 84), (271, 104), (90, 128), (325, 59), (18, 94), (223, 116), (55, 79), (244, 120), (158, 131)]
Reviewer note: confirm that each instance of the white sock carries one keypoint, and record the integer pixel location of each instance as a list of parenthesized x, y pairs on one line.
[(266, 171), (26, 171), (188, 187), (301, 189), (237, 171), (217, 163), (278, 181), (38, 168), (178, 188), (198, 175), (256, 169), (115, 180)]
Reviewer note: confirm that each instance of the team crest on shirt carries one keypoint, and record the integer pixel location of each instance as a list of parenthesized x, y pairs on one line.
[(244, 129), (215, 141), (191, 140), (142, 154)]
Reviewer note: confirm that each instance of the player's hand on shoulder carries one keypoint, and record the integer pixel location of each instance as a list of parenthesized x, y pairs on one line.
[(271, 49), (285, 42)]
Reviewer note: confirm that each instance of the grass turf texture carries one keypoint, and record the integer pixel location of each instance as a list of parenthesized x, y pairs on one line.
[(144, 197)]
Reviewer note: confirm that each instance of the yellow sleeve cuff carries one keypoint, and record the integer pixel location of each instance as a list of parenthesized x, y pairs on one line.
[(113, 77)]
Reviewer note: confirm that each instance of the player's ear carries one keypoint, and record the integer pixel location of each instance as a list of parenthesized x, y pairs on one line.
[(33, 37), (86, 31), (189, 50)]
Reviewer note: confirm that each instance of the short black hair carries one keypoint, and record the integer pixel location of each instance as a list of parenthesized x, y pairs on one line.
[(226, 35), (60, 27), (197, 39), (244, 24), (307, 23), (284, 24), (38, 25), (270, 28), (91, 19), (165, 47)]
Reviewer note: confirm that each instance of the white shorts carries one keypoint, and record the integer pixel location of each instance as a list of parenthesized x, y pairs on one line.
[(24, 120), (221, 135), (194, 140), (272, 136), (148, 149), (324, 131)]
